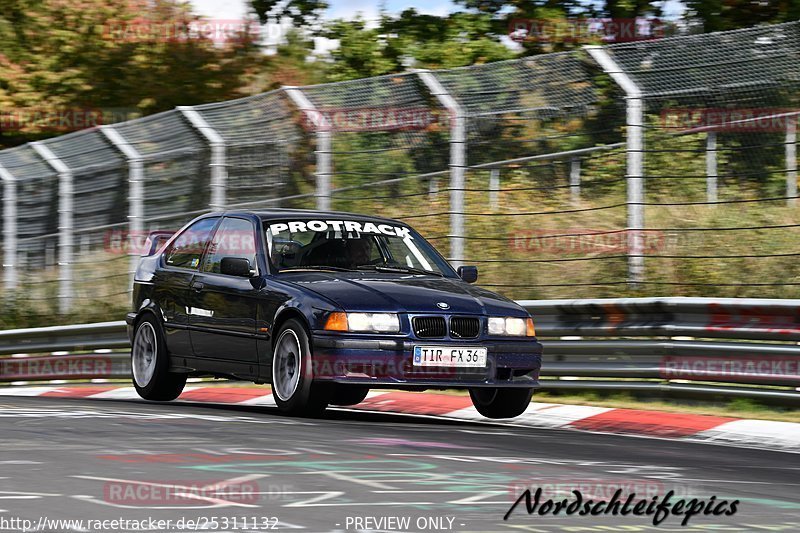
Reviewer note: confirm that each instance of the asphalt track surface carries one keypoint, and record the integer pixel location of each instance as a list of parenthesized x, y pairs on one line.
[(107, 460)]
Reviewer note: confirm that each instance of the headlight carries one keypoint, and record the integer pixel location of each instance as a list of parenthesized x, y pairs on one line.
[(377, 322), (517, 327)]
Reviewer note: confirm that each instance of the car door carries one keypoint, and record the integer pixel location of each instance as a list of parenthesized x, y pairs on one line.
[(180, 262), (223, 307)]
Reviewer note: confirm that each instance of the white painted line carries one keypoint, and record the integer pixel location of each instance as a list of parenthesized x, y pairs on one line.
[(8, 495), (557, 415), (19, 355), (312, 502), (59, 353), (266, 400), (467, 413), (122, 393), (234, 480), (757, 432), (24, 391), (545, 415), (318, 452)]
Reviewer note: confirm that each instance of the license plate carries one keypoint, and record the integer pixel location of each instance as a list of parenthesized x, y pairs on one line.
[(455, 356)]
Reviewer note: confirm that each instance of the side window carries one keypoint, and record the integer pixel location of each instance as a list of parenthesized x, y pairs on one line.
[(186, 250), (235, 237)]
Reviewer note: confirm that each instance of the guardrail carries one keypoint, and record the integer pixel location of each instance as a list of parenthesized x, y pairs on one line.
[(670, 346), (75, 337)]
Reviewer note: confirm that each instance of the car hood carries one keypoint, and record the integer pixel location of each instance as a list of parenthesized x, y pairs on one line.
[(369, 291)]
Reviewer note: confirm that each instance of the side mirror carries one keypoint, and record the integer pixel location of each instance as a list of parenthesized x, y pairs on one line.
[(468, 273), (235, 266)]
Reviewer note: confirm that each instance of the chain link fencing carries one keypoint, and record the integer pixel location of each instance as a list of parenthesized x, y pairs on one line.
[(631, 169)]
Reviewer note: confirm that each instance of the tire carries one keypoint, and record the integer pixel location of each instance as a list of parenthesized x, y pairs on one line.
[(293, 386), (150, 363), (344, 395), (499, 402)]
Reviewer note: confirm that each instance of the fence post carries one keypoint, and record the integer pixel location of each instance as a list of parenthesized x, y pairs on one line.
[(433, 188), (494, 187), (575, 179), (9, 230), (135, 190), (66, 225), (458, 162), (791, 159), (323, 151), (711, 167), (219, 171), (634, 125)]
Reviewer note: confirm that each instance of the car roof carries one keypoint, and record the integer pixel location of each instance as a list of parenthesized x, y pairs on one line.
[(278, 213)]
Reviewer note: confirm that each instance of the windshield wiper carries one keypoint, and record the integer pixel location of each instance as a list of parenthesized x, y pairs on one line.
[(317, 267), (398, 268)]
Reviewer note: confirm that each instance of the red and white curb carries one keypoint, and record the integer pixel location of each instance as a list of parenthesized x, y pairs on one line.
[(762, 434)]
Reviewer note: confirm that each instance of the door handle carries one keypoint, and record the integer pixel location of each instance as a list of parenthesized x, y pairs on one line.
[(197, 286)]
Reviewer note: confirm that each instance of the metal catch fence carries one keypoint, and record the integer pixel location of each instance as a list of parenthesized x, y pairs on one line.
[(633, 168)]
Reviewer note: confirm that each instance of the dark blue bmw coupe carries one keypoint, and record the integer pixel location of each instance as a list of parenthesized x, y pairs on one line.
[(324, 306)]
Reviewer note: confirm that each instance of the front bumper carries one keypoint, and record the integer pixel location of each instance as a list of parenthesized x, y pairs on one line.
[(388, 362)]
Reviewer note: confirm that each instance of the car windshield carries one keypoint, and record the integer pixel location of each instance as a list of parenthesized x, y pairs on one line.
[(313, 244)]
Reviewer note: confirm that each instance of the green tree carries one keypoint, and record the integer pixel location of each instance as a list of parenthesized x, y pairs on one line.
[(411, 39), (718, 15), (302, 12), (292, 63), (361, 51), (145, 57)]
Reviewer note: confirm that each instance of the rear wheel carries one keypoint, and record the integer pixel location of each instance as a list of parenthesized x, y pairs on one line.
[(499, 402), (293, 384), (150, 364), (344, 395)]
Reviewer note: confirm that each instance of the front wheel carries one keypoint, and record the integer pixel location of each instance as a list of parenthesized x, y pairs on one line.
[(499, 402), (150, 364), (293, 384)]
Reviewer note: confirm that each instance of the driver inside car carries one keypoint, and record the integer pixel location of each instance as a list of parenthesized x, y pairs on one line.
[(359, 252)]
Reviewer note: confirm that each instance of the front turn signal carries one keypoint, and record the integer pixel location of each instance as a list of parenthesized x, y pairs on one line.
[(530, 330), (336, 322)]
